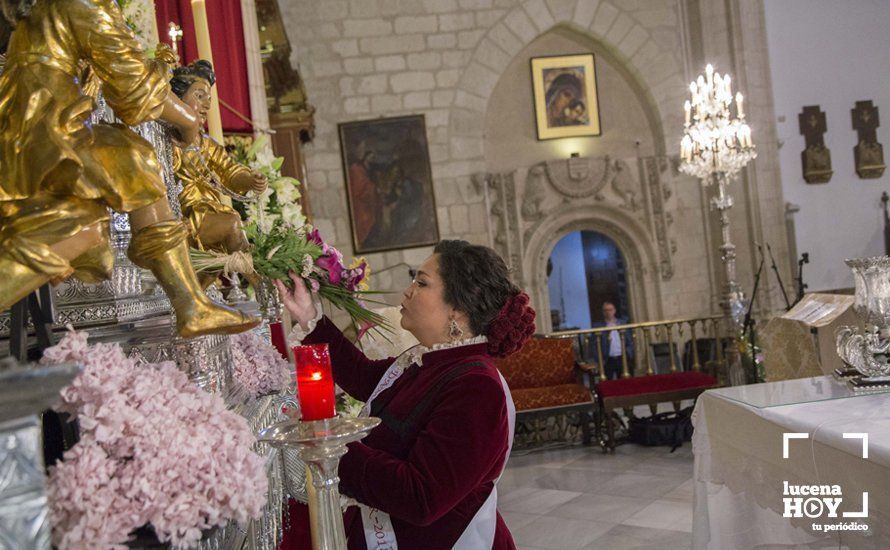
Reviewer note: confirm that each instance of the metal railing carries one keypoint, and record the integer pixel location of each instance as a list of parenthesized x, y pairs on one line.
[(691, 332)]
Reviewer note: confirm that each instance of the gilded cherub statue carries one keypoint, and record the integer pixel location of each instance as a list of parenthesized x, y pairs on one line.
[(208, 172), (59, 174)]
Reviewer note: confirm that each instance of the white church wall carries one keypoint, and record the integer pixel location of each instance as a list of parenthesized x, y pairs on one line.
[(831, 54)]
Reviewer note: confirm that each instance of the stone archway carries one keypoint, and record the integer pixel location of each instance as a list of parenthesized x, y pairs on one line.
[(632, 240)]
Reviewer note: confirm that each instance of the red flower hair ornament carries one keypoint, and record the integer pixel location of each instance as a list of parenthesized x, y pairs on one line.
[(514, 325)]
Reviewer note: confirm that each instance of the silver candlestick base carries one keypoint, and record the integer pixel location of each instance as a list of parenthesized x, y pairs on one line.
[(320, 444)]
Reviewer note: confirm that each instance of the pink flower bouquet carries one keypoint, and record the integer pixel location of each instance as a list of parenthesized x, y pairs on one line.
[(154, 449), (259, 367)]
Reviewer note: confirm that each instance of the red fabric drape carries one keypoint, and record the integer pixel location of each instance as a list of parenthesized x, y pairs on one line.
[(227, 41)]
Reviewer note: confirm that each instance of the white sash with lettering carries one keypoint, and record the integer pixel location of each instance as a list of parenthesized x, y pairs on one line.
[(379, 533)]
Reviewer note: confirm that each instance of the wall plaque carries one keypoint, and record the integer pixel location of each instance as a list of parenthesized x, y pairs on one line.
[(869, 154), (816, 158)]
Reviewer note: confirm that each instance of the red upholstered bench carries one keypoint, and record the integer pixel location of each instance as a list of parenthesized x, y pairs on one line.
[(543, 379), (648, 390)]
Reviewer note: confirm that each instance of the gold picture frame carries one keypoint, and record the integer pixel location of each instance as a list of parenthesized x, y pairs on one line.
[(566, 103), (389, 183)]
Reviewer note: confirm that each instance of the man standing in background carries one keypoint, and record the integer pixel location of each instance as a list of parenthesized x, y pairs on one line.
[(611, 342)]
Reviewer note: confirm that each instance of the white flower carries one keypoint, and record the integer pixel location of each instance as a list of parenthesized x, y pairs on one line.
[(307, 264), (273, 251), (292, 215), (285, 192), (266, 222), (264, 157)]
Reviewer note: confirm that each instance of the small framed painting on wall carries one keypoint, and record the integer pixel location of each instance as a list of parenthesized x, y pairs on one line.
[(565, 95), (389, 183)]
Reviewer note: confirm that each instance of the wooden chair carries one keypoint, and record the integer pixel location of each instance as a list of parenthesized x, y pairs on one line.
[(544, 380)]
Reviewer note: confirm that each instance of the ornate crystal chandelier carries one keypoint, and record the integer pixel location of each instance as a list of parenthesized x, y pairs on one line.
[(714, 148), (714, 144)]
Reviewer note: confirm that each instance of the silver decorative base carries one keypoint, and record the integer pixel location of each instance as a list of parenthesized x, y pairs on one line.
[(264, 533), (320, 444), (25, 391)]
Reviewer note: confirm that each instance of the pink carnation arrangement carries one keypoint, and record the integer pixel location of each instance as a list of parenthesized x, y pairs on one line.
[(259, 368), (154, 449)]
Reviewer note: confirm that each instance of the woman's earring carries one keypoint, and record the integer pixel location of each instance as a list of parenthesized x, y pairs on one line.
[(454, 331)]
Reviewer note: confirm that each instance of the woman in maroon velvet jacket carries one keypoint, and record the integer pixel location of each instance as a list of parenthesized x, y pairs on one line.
[(425, 477)]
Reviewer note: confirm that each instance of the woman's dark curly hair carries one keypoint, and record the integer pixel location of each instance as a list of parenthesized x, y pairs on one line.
[(477, 282), (184, 77)]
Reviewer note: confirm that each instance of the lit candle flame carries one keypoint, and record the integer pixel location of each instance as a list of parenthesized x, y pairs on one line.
[(315, 375)]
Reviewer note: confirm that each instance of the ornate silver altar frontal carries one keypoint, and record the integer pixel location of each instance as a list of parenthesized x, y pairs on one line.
[(23, 507), (25, 391), (264, 533)]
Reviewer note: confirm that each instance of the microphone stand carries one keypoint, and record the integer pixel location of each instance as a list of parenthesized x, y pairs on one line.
[(778, 277), (748, 324), (801, 286)]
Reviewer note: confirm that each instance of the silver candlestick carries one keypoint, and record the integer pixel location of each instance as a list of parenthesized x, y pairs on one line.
[(733, 299), (321, 443), (717, 145)]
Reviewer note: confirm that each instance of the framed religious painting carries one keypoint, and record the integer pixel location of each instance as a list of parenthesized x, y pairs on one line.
[(389, 184), (566, 103)]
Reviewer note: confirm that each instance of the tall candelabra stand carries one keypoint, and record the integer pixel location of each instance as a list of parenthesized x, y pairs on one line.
[(714, 148), (321, 443)]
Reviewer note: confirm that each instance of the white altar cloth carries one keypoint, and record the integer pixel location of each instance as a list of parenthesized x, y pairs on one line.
[(740, 472)]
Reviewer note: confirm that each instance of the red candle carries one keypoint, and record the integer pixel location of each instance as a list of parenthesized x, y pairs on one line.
[(276, 330), (315, 381)]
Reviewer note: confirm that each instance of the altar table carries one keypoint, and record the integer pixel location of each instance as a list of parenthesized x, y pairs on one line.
[(742, 479)]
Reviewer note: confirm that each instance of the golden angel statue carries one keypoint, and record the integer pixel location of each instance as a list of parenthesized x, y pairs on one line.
[(59, 174), (208, 172)]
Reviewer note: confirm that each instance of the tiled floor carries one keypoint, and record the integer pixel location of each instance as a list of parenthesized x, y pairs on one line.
[(579, 498)]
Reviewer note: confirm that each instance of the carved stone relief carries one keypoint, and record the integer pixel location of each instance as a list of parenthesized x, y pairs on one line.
[(525, 203), (535, 193), (660, 218), (579, 177), (500, 196), (624, 184)]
